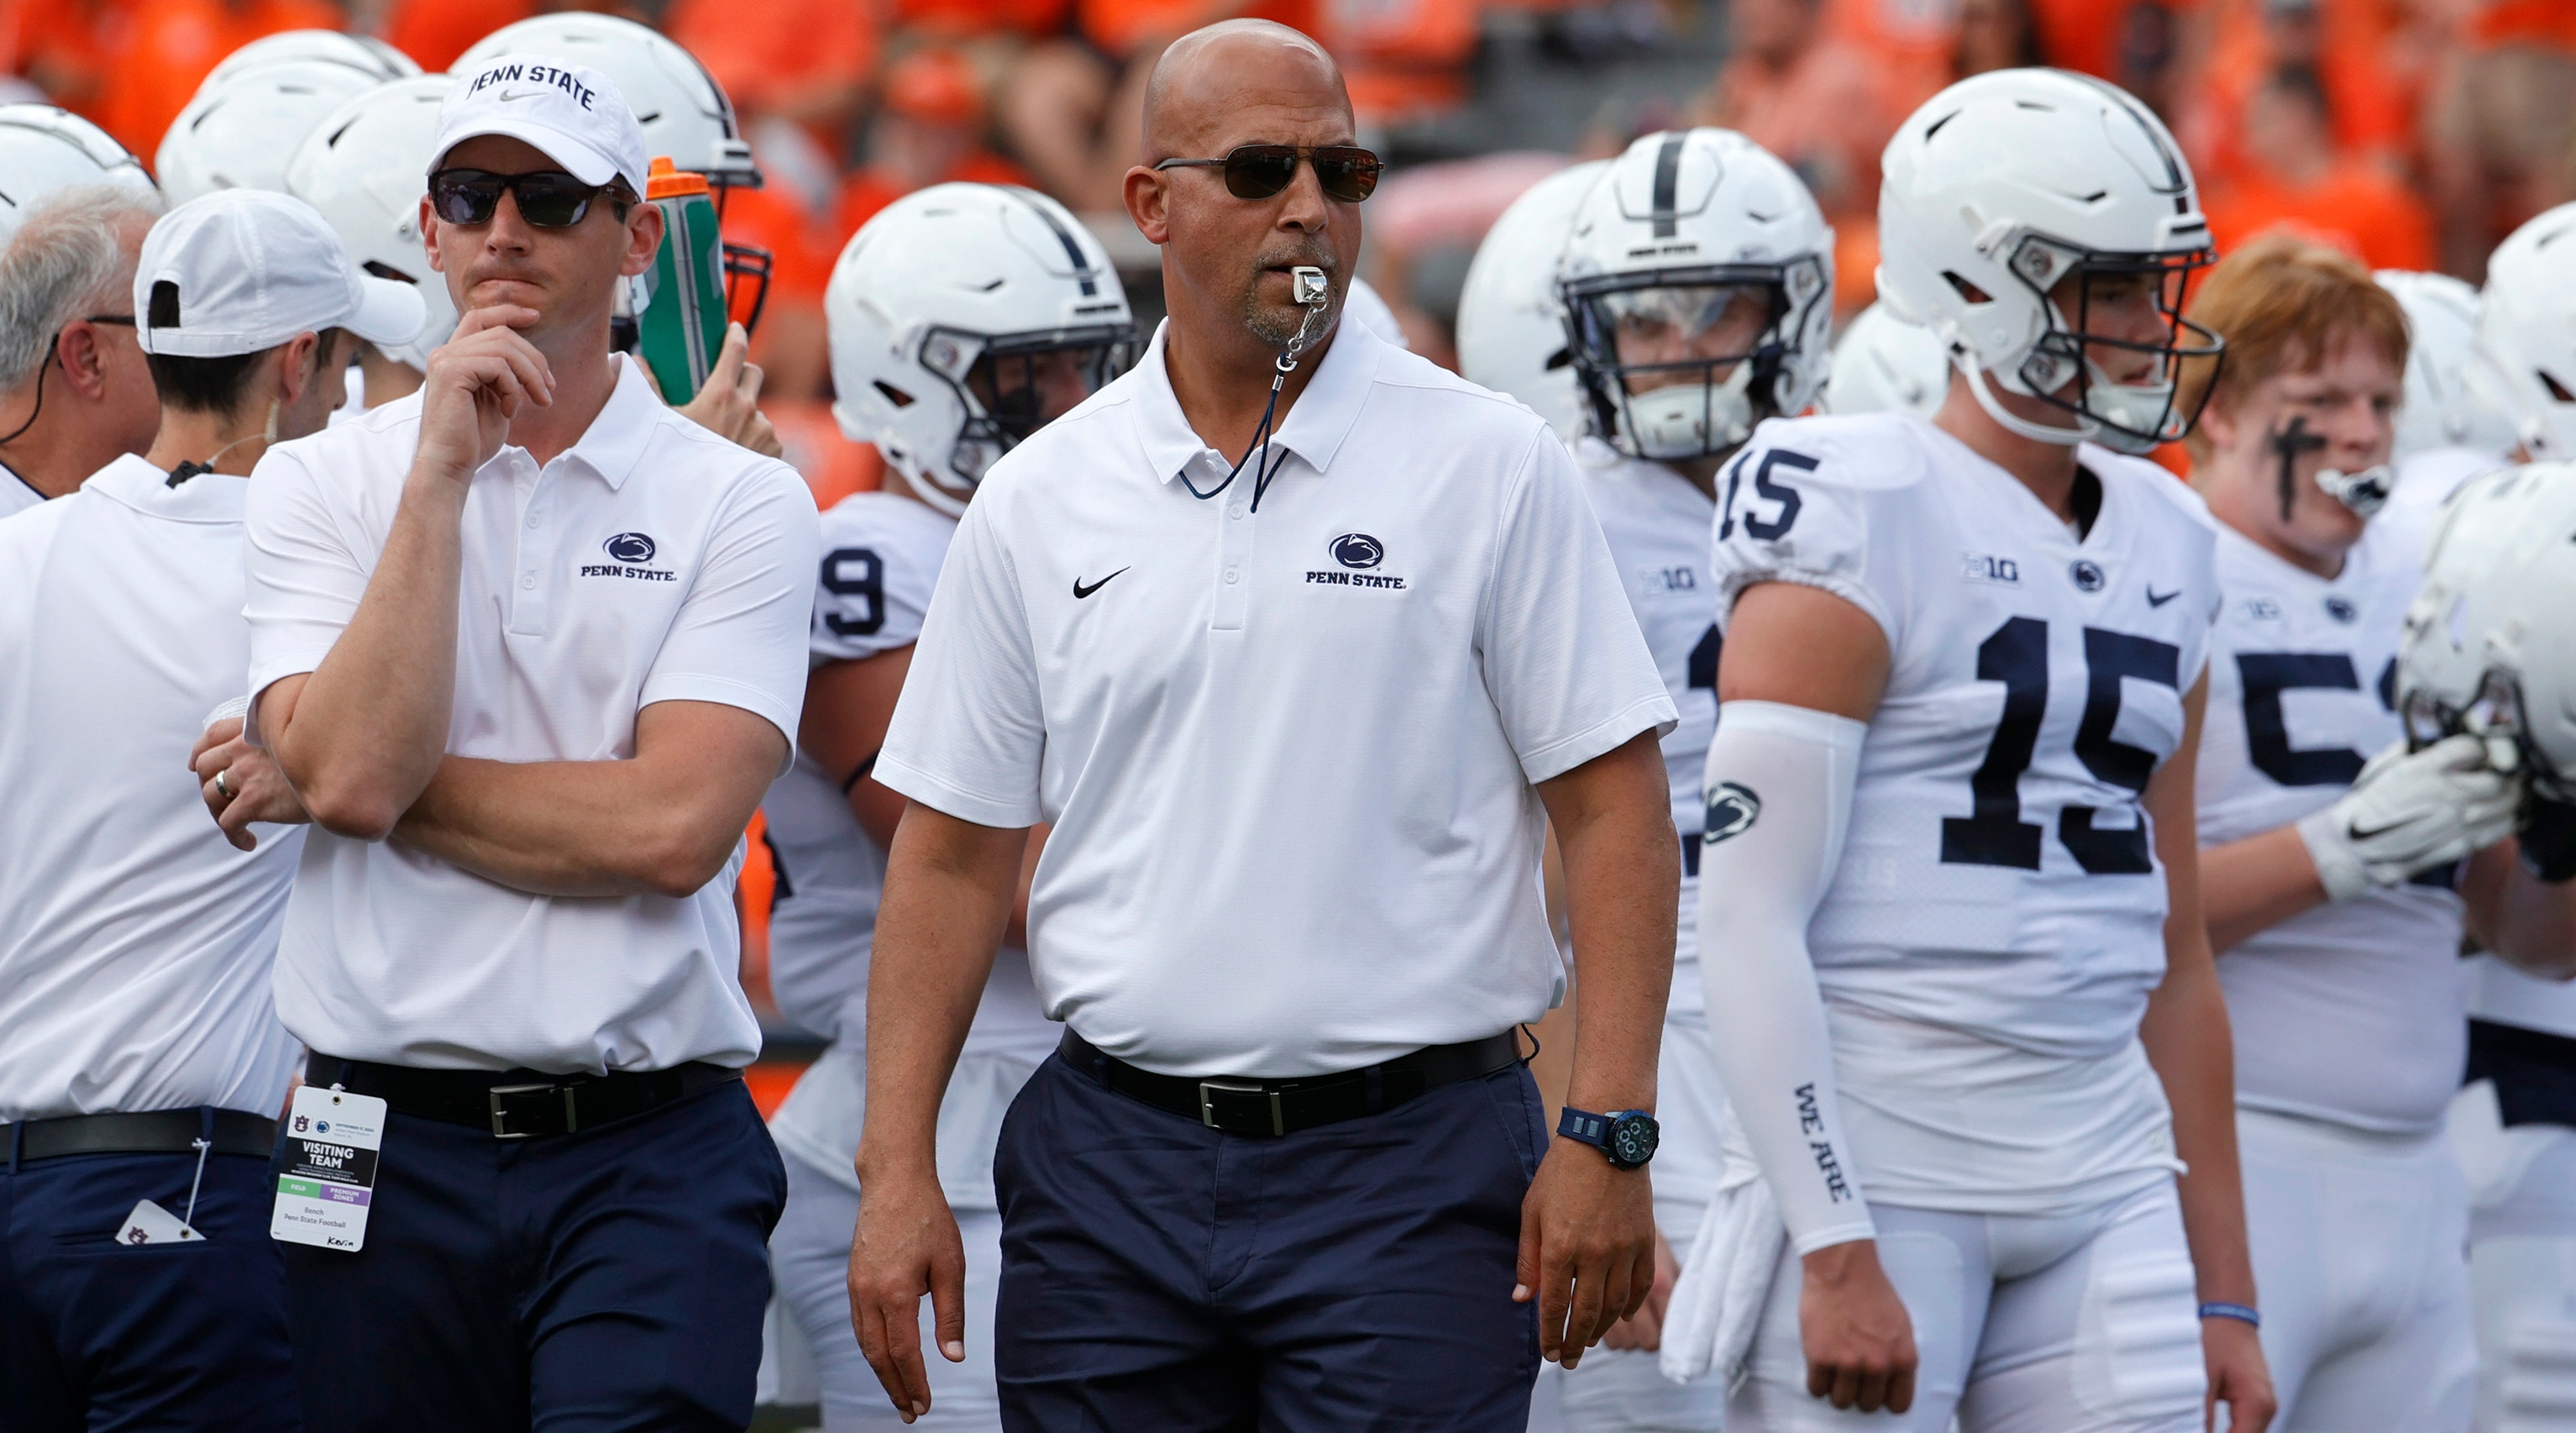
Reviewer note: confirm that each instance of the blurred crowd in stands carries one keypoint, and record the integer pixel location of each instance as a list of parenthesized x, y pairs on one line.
[(2415, 133)]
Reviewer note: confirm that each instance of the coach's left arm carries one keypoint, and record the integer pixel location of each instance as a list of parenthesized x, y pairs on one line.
[(2188, 1041), (662, 822), (1588, 1229), (717, 713)]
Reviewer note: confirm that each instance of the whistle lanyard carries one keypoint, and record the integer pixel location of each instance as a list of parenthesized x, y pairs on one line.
[(1262, 475)]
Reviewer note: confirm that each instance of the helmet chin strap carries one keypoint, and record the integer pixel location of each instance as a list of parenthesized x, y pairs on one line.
[(932, 493), (2014, 422)]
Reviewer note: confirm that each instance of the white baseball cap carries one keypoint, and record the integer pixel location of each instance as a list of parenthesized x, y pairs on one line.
[(570, 112), (241, 270)]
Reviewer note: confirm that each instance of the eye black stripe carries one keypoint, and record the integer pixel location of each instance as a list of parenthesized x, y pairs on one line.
[(1668, 176), (1082, 270)]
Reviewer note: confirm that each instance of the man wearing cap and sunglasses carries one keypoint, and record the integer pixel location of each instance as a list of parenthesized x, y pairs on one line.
[(1300, 643), (530, 646), (144, 1063)]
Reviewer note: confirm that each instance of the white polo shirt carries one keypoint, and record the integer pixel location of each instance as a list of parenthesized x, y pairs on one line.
[(135, 942), (653, 561), (16, 493), (1288, 755)]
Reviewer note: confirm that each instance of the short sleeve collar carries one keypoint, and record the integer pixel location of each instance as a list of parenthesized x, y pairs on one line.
[(1313, 431)]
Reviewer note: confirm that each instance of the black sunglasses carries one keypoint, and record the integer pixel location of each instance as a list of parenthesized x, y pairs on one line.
[(548, 198), (1347, 172)]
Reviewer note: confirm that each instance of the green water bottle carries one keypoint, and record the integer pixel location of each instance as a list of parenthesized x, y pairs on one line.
[(682, 328)]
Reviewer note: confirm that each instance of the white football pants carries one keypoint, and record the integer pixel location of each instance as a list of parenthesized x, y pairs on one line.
[(2359, 1245), (2083, 1323), (2522, 1265)]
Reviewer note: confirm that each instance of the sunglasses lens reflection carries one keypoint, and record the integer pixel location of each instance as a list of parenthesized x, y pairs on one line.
[(1259, 171)]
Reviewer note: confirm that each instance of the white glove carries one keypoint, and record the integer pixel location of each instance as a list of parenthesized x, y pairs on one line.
[(2409, 812)]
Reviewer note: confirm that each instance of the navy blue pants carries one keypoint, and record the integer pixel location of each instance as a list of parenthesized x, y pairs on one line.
[(98, 1335), (1157, 1274), (611, 1279)]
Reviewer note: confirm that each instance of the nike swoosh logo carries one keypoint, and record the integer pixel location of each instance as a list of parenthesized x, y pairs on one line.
[(2158, 599), (2358, 834), (521, 95), (1080, 591)]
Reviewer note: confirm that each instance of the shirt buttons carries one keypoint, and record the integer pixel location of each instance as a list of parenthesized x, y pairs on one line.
[(1235, 511), (1233, 574), (529, 579), (535, 518)]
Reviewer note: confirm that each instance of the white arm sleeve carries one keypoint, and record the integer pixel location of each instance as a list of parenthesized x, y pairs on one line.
[(1779, 788)]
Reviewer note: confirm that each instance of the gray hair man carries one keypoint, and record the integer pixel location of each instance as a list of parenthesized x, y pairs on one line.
[(144, 1063), (74, 391)]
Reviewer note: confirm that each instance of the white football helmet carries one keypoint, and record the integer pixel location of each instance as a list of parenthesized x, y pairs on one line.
[(44, 149), (1882, 364), (2442, 332), (239, 134), (683, 111), (1698, 286), (963, 318), (2001, 187), (362, 167), (1511, 323), (365, 54), (2526, 360), (2490, 641)]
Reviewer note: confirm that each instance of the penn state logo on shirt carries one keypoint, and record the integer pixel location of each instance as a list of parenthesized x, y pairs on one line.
[(630, 554), (2342, 610), (2086, 574), (1358, 554)]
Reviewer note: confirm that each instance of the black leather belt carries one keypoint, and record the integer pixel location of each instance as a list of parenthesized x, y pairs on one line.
[(142, 1132), (516, 1104), (1271, 1108)]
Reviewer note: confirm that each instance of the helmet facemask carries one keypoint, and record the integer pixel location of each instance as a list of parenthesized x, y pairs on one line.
[(2127, 417), (1011, 385), (1680, 364)]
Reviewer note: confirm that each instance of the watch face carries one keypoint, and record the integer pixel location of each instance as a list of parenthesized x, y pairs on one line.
[(1632, 1140)]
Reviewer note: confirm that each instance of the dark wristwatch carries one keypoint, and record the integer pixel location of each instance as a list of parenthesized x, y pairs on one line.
[(1626, 1137)]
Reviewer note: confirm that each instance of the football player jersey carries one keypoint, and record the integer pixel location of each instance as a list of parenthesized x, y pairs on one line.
[(2349, 1012), (1658, 526), (1991, 934), (881, 558)]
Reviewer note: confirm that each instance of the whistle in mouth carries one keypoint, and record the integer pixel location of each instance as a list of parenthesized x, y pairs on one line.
[(1306, 286)]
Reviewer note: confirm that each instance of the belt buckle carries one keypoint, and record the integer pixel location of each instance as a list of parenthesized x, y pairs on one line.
[(500, 1117), (1209, 1089)]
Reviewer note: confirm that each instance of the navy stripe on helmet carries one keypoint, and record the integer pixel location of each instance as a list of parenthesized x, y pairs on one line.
[(1668, 176), (1082, 270)]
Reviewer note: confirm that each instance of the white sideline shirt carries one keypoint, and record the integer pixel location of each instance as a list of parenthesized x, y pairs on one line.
[(1288, 755), (652, 561), (16, 493), (135, 942)]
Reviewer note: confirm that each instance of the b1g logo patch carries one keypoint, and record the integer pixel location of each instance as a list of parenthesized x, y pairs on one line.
[(1732, 809), (1357, 552)]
